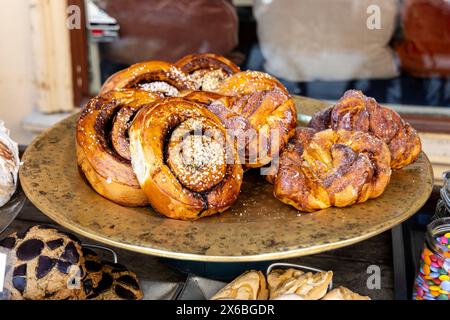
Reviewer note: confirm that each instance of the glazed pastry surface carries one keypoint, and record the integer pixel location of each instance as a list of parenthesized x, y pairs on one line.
[(184, 160), (356, 112), (331, 168), (261, 122), (103, 148)]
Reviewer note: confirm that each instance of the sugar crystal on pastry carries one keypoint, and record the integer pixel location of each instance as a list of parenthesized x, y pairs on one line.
[(160, 87)]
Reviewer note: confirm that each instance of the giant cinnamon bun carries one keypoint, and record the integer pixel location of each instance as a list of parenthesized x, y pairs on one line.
[(103, 148), (355, 111), (331, 168), (183, 159)]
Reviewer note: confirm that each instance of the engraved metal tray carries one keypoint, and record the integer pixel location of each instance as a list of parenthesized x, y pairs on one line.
[(257, 227)]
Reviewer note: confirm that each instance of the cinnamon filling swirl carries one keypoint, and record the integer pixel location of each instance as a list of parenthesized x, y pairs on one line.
[(208, 80), (103, 147), (183, 159), (196, 154)]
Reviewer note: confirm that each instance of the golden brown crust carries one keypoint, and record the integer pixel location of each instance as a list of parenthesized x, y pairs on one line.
[(142, 75), (206, 61), (207, 70), (206, 182), (332, 168), (356, 112), (192, 72), (301, 138), (262, 122), (103, 155), (247, 82)]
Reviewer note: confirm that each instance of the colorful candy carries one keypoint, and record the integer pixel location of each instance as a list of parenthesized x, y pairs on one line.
[(433, 279), (445, 285)]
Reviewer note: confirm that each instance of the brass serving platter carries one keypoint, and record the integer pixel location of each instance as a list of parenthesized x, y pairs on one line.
[(258, 227)]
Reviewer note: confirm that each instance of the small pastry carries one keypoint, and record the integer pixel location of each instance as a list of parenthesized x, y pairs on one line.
[(9, 165), (116, 282), (261, 122), (343, 293), (48, 264), (248, 286), (331, 168), (277, 277), (184, 160), (207, 70), (356, 112), (158, 77), (102, 144), (307, 286)]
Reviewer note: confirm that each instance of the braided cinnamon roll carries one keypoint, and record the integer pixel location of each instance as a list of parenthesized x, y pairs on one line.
[(262, 122), (184, 160), (207, 70), (355, 111), (332, 168), (103, 148), (154, 76)]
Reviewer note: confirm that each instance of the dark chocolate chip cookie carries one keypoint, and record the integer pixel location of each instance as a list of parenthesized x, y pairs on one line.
[(116, 283), (47, 264)]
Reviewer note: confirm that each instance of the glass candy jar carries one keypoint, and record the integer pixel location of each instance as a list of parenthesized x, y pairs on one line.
[(433, 279)]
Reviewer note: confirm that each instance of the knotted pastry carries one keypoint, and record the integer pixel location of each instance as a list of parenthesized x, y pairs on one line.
[(307, 286), (103, 148), (207, 70), (356, 112), (343, 293), (249, 286), (183, 159), (154, 76), (331, 168), (247, 82), (261, 122), (9, 165)]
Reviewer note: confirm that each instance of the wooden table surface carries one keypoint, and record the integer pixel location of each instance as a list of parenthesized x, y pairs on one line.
[(348, 264)]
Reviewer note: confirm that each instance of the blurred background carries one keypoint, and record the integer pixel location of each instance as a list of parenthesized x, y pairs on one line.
[(55, 54)]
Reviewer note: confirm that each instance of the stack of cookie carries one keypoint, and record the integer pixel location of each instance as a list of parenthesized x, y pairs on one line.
[(49, 264), (290, 284)]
